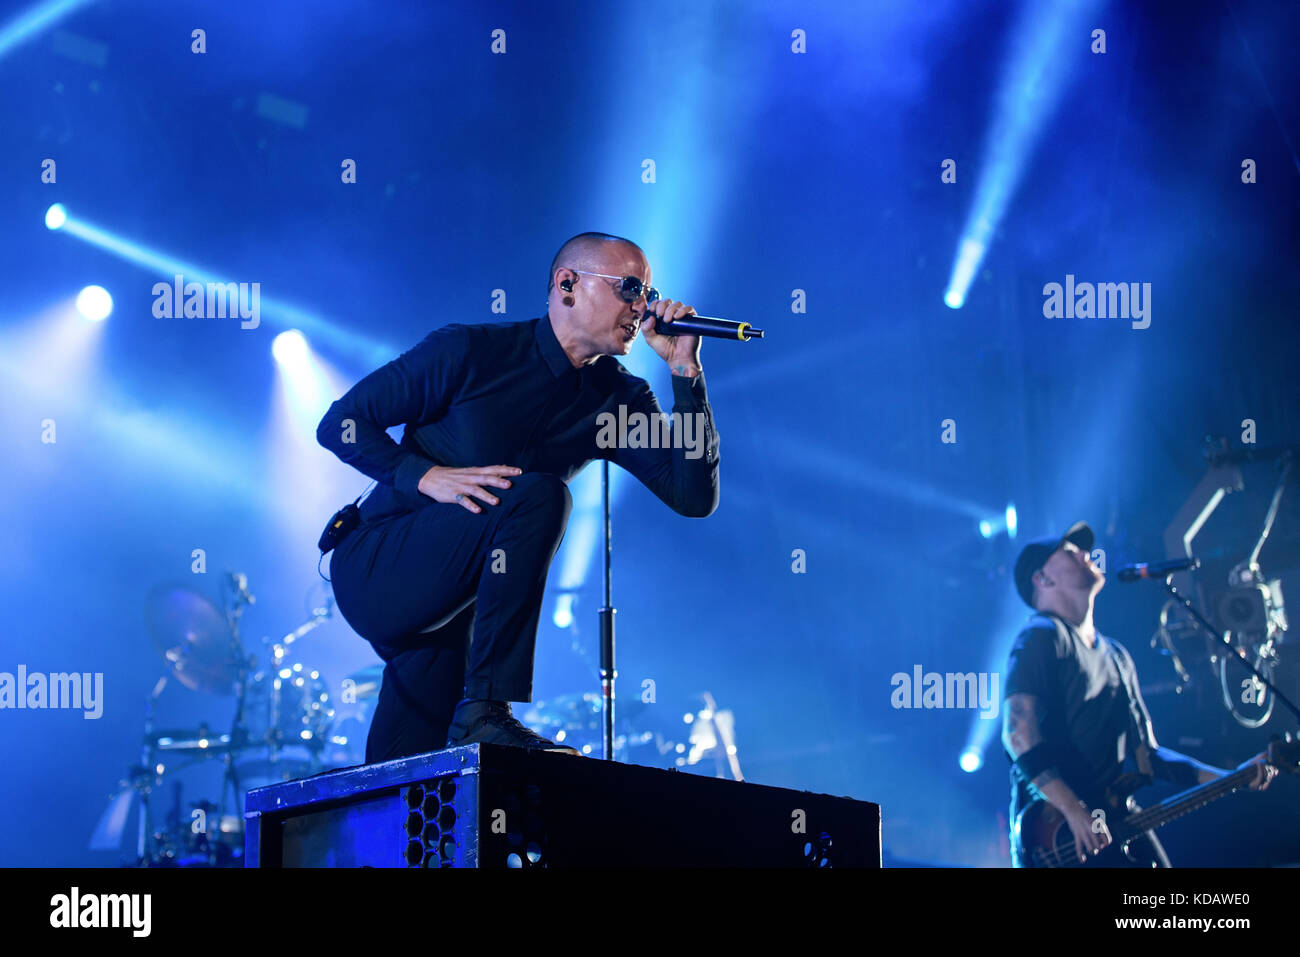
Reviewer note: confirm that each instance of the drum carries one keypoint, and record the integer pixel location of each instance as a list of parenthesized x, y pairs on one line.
[(288, 709)]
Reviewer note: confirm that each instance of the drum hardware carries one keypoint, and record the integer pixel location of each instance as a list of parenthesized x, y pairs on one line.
[(281, 727)]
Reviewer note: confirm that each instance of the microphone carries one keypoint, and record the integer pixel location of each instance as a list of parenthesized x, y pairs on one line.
[(1132, 573), (704, 326)]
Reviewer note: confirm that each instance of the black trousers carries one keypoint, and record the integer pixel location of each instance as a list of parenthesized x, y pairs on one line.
[(479, 578)]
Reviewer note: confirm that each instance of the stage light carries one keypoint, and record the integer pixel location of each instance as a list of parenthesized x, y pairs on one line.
[(94, 303), (563, 611), (304, 386), (165, 267), (1043, 51), (35, 20), (971, 761), (1005, 521), (963, 272), (289, 348)]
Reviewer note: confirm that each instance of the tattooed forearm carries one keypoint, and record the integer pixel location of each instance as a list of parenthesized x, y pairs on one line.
[(1020, 730), (689, 371)]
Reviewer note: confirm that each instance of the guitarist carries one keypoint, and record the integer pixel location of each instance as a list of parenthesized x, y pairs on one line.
[(1073, 714)]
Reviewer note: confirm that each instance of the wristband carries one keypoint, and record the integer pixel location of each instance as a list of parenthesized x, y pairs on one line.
[(1041, 757)]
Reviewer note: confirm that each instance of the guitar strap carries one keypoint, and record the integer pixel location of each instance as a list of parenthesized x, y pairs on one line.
[(1141, 753)]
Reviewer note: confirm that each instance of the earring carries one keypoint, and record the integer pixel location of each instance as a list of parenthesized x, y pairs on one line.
[(568, 300)]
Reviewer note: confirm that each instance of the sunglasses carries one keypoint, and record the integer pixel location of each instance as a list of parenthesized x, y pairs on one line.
[(631, 286)]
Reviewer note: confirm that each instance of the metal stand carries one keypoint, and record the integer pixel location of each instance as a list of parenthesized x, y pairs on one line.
[(1227, 641), (606, 613), (145, 778), (238, 733)]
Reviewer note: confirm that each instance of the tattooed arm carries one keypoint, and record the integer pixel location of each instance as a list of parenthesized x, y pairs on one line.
[(1022, 730)]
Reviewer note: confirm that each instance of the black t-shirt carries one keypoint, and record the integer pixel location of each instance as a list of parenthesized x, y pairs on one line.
[(1087, 700)]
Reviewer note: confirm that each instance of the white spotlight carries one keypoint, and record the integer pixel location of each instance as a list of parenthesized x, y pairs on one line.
[(289, 348), (55, 216), (94, 303), (563, 611)]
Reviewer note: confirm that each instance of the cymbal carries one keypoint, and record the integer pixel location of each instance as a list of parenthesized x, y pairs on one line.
[(193, 739), (193, 638)]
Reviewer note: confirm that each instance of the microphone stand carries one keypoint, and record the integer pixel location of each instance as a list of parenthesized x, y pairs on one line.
[(1225, 640), (606, 614)]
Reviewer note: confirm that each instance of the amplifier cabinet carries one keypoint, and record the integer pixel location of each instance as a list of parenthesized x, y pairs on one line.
[(492, 806)]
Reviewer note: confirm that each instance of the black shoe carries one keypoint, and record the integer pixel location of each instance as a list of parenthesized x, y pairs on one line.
[(491, 722)]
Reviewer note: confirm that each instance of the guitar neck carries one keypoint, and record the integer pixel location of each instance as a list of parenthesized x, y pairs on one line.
[(1179, 804)]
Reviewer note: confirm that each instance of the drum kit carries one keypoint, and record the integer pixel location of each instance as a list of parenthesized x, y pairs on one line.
[(286, 726), (283, 728)]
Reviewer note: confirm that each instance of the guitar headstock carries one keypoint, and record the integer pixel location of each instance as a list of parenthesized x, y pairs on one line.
[(1284, 753)]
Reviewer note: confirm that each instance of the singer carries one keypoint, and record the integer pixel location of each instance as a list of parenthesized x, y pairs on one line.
[(1073, 714), (445, 572)]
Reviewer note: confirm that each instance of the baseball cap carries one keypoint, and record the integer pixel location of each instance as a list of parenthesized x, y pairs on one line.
[(1035, 555)]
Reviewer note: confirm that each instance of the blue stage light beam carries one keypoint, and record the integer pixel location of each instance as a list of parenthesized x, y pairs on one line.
[(1047, 42), (35, 19), (983, 732), (308, 387), (48, 369), (790, 447), (688, 184), (275, 311), (307, 485), (50, 360), (1074, 488)]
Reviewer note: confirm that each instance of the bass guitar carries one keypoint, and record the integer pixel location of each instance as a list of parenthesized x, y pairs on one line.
[(1043, 837)]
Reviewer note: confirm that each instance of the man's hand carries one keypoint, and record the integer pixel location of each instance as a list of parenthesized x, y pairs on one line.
[(1090, 833), (1264, 772), (682, 353), (457, 485)]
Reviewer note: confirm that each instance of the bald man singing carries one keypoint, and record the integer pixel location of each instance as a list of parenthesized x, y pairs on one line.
[(444, 574)]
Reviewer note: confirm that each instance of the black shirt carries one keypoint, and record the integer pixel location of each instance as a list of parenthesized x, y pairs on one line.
[(507, 394), (1090, 709)]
